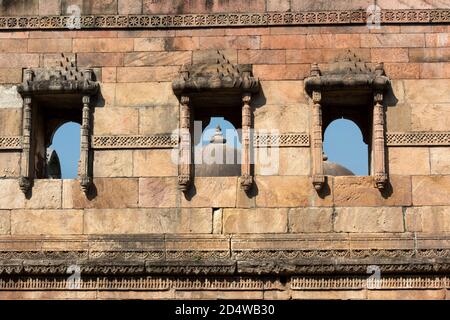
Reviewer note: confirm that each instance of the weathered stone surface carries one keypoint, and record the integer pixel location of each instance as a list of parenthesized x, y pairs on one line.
[(430, 190), (284, 118), (145, 94), (9, 164), (9, 97), (10, 122), (46, 194), (171, 58), (260, 220), (426, 91), (147, 74), (430, 117), (49, 45), (211, 192), (19, 60), (440, 160), (409, 294), (29, 222), (158, 192), (49, 7), (116, 121), (409, 161), (428, 219), (113, 163), (129, 6), (329, 294), (280, 93), (105, 193), (217, 226), (392, 40), (219, 294), (360, 191), (311, 5), (282, 161), (136, 221), (103, 45), (154, 163), (10, 75), (10, 194), (369, 219), (290, 191), (150, 119), (5, 222), (398, 118), (310, 220)]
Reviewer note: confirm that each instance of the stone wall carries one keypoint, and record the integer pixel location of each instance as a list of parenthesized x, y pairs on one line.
[(136, 190)]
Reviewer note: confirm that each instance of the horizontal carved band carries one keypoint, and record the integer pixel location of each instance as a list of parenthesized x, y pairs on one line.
[(282, 140), (11, 143), (141, 283), (134, 142), (418, 139), (223, 19)]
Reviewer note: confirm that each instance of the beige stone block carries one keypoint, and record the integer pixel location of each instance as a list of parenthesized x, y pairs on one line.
[(398, 117), (115, 121), (108, 93), (219, 294), (290, 191), (154, 163), (135, 295), (11, 197), (280, 93), (369, 219), (440, 160), (48, 295), (430, 117), (9, 164), (9, 97), (282, 118), (295, 161), (10, 122), (105, 193), (138, 221), (409, 161), (428, 219), (45, 194), (329, 294), (5, 222), (360, 191), (426, 91), (430, 190), (213, 192), (310, 220), (158, 119), (48, 222), (158, 192), (217, 226), (145, 94), (260, 220), (409, 294), (113, 163)]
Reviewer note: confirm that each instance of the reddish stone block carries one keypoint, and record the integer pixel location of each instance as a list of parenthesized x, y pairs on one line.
[(235, 42), (283, 42), (145, 74), (333, 41), (13, 45), (50, 45), (10, 75), (262, 56), (100, 59), (439, 70), (149, 44), (393, 40), (92, 7), (130, 6), (19, 60), (389, 55), (109, 74), (429, 54), (402, 70), (96, 34), (281, 71), (174, 58), (103, 45), (437, 40), (60, 34), (201, 6), (322, 55), (49, 7)]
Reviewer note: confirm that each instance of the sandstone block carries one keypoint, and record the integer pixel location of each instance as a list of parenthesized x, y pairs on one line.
[(5, 222), (333, 41), (199, 6), (392, 40), (20, 8), (359, 191), (409, 294), (19, 60), (438, 70), (426, 91), (10, 98), (13, 45), (9, 164), (10, 194), (150, 119), (158, 192), (398, 117), (402, 70), (149, 44), (262, 56), (11, 122), (154, 163), (49, 7), (428, 219), (260, 220), (115, 121), (46, 194), (329, 294), (290, 41), (311, 5), (281, 118), (103, 45), (170, 58), (281, 71), (278, 5), (89, 59), (430, 117), (109, 74), (440, 39), (440, 160), (201, 56), (48, 222), (130, 6), (145, 94), (10, 75), (409, 161), (49, 45), (369, 219), (429, 54), (147, 74), (233, 42), (182, 43), (211, 192), (280, 93), (106, 193), (310, 220), (322, 55), (113, 163), (430, 190), (390, 54)]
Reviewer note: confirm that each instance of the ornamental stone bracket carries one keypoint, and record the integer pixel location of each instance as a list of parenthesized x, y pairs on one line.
[(214, 83), (65, 90), (348, 89)]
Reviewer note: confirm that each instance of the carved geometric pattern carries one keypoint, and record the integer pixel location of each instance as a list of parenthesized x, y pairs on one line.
[(418, 138), (225, 19), (134, 142), (11, 143), (282, 140)]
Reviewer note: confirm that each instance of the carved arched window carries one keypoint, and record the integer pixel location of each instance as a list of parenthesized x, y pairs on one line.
[(215, 88), (352, 90), (51, 97)]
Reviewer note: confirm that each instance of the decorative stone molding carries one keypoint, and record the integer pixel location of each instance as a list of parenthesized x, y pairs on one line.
[(214, 80), (135, 142), (44, 86), (418, 138), (10, 143), (261, 140), (348, 83), (403, 16)]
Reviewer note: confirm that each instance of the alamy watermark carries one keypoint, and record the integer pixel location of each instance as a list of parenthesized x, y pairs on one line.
[(373, 17), (374, 280), (74, 20), (74, 280)]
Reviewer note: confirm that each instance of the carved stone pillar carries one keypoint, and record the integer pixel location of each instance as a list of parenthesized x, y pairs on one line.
[(246, 178), (185, 152), (25, 179), (380, 175), (83, 169), (318, 178)]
